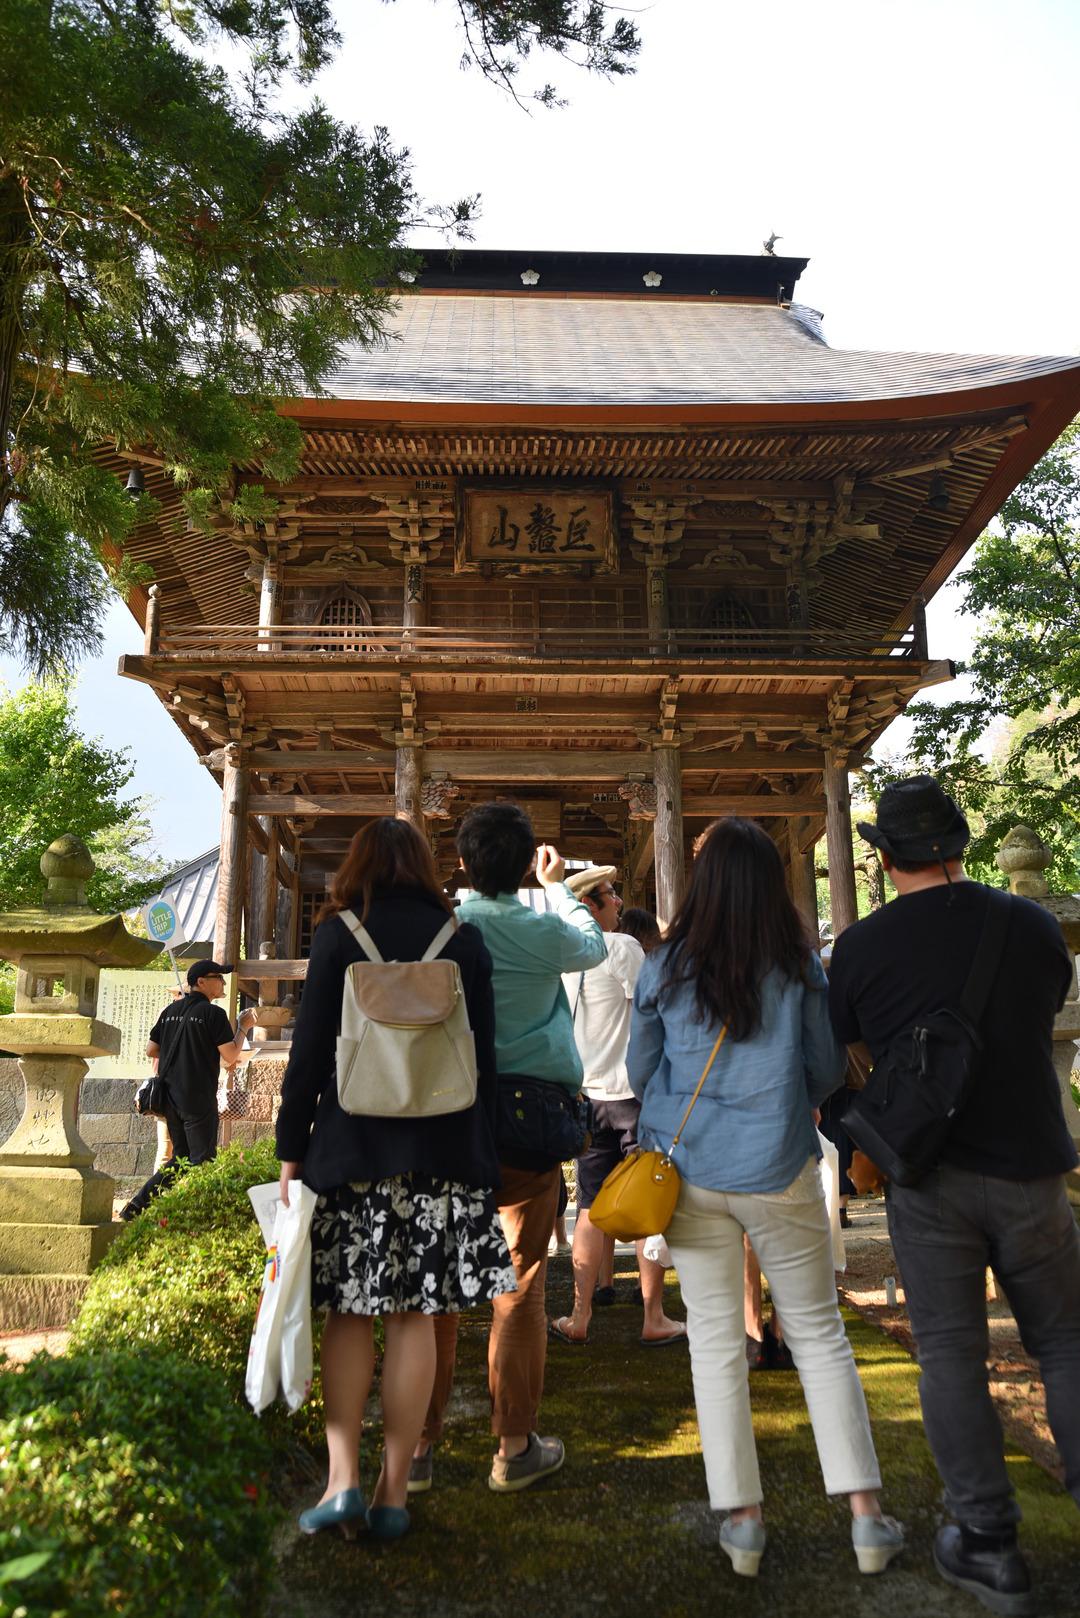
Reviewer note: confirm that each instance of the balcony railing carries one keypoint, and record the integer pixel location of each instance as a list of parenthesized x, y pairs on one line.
[(602, 644)]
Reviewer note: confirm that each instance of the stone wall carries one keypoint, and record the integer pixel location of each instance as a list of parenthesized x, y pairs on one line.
[(124, 1145)]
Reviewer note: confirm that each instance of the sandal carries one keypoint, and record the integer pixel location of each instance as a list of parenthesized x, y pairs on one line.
[(603, 1297), (679, 1336), (557, 1329)]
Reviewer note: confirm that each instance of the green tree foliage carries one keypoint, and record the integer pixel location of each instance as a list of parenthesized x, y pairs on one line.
[(176, 252), (53, 780), (1010, 752)]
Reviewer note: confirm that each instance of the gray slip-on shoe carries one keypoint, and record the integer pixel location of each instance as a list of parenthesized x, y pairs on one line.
[(420, 1470), (539, 1459)]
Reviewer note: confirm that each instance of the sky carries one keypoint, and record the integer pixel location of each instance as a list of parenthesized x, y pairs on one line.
[(921, 153)]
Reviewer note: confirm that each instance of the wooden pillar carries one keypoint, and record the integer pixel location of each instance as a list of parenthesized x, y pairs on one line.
[(919, 645), (270, 604), (261, 912), (656, 601), (408, 774), (668, 832), (152, 626), (232, 867), (803, 881), (841, 855), (412, 608)]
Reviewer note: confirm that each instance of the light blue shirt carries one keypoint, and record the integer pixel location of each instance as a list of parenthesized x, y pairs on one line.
[(751, 1129), (534, 1031)]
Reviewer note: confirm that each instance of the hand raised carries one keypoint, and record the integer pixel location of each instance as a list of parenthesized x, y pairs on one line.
[(550, 865)]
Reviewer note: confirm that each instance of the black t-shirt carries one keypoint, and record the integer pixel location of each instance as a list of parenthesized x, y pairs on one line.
[(189, 1033), (913, 957)]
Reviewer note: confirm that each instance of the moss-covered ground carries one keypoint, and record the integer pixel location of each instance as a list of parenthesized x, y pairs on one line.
[(625, 1528)]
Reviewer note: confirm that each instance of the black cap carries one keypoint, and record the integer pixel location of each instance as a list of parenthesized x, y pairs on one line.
[(205, 969), (917, 823)]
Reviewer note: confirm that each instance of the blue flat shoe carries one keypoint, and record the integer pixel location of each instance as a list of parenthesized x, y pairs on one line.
[(388, 1522), (344, 1511)]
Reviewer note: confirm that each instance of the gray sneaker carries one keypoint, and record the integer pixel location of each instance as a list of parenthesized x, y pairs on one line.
[(541, 1457), (420, 1473)]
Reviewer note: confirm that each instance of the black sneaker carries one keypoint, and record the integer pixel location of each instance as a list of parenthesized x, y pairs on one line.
[(988, 1566)]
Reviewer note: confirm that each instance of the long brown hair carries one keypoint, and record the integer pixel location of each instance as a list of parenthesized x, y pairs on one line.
[(386, 853), (736, 923)]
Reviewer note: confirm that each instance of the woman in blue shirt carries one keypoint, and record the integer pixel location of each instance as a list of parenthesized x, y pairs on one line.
[(737, 955)]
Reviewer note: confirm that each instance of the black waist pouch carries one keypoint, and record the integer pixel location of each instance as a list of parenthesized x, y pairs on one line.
[(539, 1124)]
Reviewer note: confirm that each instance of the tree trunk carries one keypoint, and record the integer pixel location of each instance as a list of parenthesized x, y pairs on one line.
[(14, 251)]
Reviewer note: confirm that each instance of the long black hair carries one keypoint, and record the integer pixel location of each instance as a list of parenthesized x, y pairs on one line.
[(736, 923)]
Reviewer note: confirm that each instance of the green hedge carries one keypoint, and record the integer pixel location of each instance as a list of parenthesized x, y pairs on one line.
[(131, 1483), (186, 1275)]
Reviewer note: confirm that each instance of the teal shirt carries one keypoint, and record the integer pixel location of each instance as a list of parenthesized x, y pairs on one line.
[(534, 1031)]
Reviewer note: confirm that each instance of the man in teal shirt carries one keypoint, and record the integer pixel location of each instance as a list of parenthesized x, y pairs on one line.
[(534, 1036)]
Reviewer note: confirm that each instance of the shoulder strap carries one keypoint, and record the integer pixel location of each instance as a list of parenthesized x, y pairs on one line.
[(362, 936), (441, 939), (580, 991), (700, 1082), (991, 947)]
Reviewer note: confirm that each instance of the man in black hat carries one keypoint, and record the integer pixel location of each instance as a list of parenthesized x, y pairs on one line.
[(997, 1195), (192, 1040)]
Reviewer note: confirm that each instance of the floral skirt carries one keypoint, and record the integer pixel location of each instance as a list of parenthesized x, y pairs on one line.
[(382, 1247)]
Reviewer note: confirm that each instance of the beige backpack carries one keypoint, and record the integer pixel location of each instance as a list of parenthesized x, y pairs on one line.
[(405, 1049)]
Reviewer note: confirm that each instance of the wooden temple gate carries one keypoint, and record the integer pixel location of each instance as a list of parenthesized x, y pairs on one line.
[(633, 567)]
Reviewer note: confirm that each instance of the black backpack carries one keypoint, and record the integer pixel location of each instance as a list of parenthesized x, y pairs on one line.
[(902, 1119)]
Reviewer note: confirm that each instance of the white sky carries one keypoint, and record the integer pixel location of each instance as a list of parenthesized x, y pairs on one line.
[(920, 152)]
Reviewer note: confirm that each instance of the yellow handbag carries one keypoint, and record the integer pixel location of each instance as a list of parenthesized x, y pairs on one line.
[(638, 1197)]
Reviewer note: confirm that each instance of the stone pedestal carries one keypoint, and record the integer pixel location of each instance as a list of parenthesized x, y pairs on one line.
[(55, 1207)]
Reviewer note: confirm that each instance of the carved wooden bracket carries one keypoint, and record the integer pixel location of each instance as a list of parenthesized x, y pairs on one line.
[(436, 796), (417, 525), (805, 531), (639, 795), (657, 526)]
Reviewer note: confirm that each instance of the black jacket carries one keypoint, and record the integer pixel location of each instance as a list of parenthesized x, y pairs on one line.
[(336, 1147)]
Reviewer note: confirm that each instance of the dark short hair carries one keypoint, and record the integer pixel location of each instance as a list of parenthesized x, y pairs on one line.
[(641, 924), (911, 866), (496, 843)]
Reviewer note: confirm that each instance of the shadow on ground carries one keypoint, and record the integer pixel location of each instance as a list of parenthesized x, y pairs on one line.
[(625, 1528)]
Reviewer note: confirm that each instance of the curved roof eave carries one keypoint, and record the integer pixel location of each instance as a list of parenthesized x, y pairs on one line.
[(1059, 384)]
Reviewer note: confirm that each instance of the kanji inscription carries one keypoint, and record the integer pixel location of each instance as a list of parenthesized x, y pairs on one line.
[(536, 529)]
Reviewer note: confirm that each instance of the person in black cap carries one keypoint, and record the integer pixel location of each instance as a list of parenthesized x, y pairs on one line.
[(192, 1040), (997, 1195)]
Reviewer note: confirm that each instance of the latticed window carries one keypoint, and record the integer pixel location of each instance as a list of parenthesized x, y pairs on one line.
[(727, 612), (347, 611)]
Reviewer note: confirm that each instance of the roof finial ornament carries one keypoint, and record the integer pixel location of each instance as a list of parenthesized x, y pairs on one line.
[(769, 246)]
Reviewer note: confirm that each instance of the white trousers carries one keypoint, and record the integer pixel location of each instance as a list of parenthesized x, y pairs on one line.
[(789, 1232)]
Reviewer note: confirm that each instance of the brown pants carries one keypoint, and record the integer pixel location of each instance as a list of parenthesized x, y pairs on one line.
[(517, 1347)]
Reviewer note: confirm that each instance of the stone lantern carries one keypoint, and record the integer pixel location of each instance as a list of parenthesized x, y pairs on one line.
[(1023, 856), (55, 1207)]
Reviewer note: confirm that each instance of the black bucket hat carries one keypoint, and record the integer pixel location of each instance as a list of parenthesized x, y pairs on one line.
[(917, 823)]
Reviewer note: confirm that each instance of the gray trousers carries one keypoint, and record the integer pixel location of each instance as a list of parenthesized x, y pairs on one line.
[(945, 1232)]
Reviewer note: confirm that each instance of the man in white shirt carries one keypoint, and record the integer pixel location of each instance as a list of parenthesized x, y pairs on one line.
[(601, 1001)]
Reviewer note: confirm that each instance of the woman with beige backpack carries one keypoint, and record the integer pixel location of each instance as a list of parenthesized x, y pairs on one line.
[(730, 1049), (387, 1112)]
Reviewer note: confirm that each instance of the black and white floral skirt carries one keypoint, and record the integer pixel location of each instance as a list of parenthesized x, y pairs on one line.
[(383, 1247)]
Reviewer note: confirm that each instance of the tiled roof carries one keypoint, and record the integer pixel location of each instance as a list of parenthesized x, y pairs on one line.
[(535, 351)]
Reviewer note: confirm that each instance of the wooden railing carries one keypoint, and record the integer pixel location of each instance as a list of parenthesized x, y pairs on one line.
[(380, 641)]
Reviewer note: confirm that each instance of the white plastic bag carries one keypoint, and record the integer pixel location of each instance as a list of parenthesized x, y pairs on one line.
[(280, 1355), (830, 1179), (658, 1250)]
